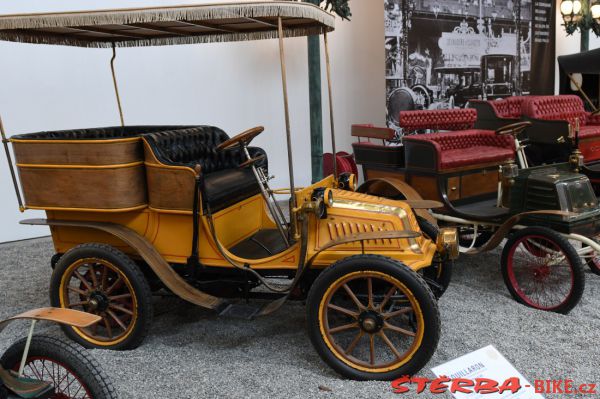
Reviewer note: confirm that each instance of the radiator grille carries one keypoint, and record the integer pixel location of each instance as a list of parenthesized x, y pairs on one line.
[(541, 197)]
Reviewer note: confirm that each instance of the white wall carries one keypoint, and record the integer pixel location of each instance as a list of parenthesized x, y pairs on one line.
[(234, 86)]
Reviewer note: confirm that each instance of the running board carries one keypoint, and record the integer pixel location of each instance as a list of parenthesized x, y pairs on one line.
[(242, 310), (149, 254)]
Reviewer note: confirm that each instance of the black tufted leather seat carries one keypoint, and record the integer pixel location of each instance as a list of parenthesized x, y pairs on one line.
[(224, 182), (102, 133)]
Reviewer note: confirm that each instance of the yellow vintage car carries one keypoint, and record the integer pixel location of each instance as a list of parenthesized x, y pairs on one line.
[(134, 210)]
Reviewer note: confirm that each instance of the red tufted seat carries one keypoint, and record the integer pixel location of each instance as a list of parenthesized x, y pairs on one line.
[(445, 119), (554, 116), (467, 148), (510, 107), (556, 108), (493, 114)]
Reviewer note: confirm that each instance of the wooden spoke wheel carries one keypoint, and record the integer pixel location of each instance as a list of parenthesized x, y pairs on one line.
[(70, 370), (542, 270), (372, 318), (99, 279)]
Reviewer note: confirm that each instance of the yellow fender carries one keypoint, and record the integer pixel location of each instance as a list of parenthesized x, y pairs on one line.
[(73, 318)]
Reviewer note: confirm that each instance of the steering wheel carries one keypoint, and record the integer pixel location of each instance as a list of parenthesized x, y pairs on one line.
[(514, 128), (244, 137)]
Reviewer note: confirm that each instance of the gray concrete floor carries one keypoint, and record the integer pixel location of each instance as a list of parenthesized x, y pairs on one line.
[(190, 353)]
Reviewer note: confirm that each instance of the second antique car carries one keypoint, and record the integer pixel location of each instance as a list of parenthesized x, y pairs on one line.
[(544, 211), (138, 209)]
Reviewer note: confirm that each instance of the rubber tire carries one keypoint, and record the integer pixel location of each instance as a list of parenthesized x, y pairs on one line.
[(54, 260), (398, 270), (566, 247), (134, 275), (76, 358), (445, 277)]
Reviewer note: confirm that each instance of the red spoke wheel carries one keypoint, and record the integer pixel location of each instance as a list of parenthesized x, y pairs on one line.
[(99, 279), (541, 269), (73, 373), (373, 318), (537, 247)]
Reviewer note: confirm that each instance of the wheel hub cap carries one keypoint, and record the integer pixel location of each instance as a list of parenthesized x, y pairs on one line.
[(541, 272), (99, 301), (370, 321)]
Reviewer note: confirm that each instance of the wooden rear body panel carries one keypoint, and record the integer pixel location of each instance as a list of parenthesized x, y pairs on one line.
[(459, 186), (82, 174)]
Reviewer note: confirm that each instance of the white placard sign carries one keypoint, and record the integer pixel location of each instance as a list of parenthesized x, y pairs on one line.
[(486, 363)]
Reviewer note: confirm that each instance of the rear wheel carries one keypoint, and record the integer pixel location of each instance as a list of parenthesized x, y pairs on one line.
[(373, 318), (542, 270), (102, 280), (439, 274), (69, 368)]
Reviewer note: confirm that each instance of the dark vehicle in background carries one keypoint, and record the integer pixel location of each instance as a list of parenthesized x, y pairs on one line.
[(491, 80), (458, 85), (497, 72)]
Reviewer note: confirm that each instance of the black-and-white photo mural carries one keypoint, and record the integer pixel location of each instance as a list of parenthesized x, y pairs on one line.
[(443, 53)]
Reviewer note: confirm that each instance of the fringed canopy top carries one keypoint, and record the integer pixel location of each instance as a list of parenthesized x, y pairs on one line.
[(158, 26)]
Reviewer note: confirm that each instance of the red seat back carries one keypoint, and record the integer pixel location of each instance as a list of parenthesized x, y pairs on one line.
[(439, 119), (562, 108)]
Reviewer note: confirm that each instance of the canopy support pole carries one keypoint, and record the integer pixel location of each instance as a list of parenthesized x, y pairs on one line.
[(331, 121), (288, 128), (580, 89), (315, 96), (114, 77), (11, 166)]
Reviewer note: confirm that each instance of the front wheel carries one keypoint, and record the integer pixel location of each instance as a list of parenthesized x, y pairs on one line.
[(67, 367), (542, 270), (373, 318)]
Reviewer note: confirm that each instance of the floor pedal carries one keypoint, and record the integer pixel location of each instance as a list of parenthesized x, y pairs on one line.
[(240, 311)]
